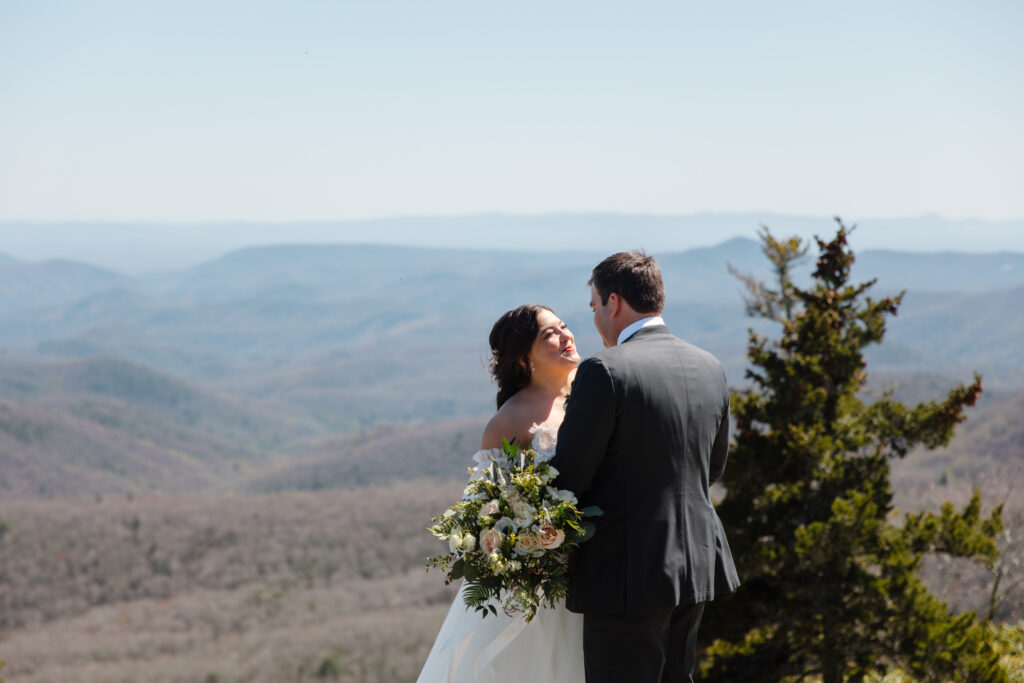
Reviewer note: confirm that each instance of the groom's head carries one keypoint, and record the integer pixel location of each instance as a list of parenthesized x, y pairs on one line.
[(624, 288)]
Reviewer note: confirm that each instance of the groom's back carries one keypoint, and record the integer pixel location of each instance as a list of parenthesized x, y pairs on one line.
[(673, 397), (660, 541)]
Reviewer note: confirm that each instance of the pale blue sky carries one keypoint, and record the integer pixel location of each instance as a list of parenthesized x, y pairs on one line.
[(316, 110)]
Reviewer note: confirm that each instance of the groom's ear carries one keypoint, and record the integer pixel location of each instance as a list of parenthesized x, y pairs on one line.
[(615, 301)]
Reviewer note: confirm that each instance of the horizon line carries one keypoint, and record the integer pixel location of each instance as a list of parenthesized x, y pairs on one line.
[(496, 214)]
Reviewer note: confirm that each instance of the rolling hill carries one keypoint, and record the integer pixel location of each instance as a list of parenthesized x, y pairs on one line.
[(440, 451), (225, 472), (49, 452), (267, 352), (26, 286)]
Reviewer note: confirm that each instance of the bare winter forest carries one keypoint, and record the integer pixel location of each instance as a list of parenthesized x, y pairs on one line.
[(225, 474)]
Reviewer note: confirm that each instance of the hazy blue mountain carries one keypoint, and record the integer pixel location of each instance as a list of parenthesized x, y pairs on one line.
[(27, 286), (986, 329), (945, 271), (351, 335), (341, 272), (145, 247), (99, 389), (269, 352)]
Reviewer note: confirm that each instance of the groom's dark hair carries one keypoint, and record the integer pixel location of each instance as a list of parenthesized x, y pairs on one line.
[(635, 277)]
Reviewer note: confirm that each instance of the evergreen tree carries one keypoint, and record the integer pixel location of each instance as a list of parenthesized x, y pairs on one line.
[(829, 573)]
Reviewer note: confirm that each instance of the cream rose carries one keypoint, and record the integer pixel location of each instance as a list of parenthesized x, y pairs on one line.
[(489, 508), (490, 540), (526, 544), (523, 512), (549, 537)]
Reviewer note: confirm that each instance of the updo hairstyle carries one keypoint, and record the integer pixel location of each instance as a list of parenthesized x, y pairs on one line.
[(511, 339)]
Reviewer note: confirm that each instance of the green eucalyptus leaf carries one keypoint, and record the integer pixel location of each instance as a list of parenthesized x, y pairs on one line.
[(457, 571)]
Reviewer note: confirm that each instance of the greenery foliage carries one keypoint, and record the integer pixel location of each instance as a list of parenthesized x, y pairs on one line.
[(830, 577)]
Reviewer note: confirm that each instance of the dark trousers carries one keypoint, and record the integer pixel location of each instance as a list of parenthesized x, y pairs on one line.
[(655, 646)]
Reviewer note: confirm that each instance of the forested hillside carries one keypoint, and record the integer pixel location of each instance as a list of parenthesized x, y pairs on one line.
[(224, 473), (271, 352)]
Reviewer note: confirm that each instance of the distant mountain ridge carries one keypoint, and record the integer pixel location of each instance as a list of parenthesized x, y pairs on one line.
[(24, 286), (142, 247), (265, 307), (269, 352)]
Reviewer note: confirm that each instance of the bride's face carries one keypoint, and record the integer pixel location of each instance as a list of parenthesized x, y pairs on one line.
[(554, 346)]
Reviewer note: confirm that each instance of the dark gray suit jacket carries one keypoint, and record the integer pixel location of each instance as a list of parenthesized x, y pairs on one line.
[(646, 433)]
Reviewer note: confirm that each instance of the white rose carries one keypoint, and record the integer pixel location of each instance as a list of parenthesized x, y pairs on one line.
[(468, 542), (490, 540), (455, 541), (503, 524), (523, 512), (549, 537), (489, 508), (526, 544), (563, 495)]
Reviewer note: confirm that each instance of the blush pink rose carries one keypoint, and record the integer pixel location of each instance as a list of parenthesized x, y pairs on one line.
[(490, 540), (549, 537)]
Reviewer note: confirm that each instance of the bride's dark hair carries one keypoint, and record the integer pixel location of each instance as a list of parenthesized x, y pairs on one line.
[(511, 339)]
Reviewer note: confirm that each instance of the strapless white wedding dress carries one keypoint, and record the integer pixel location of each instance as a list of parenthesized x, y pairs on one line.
[(501, 649)]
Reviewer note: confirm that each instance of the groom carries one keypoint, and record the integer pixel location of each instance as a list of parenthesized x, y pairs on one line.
[(646, 433)]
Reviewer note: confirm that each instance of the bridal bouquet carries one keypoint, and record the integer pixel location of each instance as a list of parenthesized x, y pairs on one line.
[(510, 535)]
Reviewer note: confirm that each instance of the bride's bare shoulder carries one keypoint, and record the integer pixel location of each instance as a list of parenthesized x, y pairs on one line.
[(512, 421)]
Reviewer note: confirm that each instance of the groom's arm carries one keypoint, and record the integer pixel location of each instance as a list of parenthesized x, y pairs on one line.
[(587, 427), (720, 449)]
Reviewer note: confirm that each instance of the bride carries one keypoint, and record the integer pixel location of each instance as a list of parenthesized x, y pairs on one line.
[(534, 361)]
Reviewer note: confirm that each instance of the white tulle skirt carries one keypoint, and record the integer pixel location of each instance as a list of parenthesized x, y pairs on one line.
[(499, 649)]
